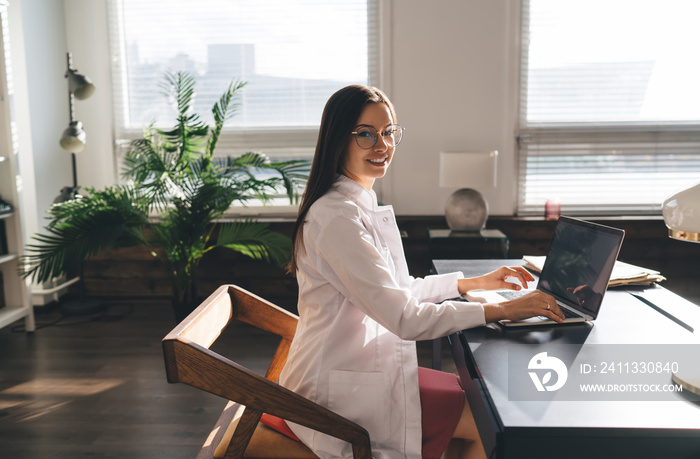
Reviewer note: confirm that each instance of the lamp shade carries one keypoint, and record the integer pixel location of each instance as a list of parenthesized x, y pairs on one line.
[(80, 85), (466, 210), (73, 138), (681, 213), (468, 169)]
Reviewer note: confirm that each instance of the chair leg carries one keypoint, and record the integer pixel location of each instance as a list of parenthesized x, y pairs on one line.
[(244, 432)]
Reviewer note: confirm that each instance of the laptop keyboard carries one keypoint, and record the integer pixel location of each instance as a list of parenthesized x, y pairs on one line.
[(511, 295), (569, 313)]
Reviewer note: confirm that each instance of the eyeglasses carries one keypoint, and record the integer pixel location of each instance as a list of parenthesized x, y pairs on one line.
[(367, 137)]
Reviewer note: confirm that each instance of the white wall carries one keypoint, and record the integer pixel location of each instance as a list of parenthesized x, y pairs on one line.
[(91, 55), (449, 70), (451, 78), (45, 55), (18, 64), (51, 29)]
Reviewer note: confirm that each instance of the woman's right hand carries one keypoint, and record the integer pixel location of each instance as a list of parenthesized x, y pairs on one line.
[(532, 304)]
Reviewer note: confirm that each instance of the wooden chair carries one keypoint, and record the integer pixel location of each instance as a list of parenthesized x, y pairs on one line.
[(189, 360)]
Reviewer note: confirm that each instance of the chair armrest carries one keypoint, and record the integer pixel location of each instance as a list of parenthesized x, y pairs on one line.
[(204, 369), (254, 310), (204, 325)]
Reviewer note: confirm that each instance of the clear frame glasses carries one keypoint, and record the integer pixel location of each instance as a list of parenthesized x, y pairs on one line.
[(367, 136)]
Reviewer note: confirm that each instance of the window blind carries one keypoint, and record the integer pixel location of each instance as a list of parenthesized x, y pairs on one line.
[(609, 104), (293, 54)]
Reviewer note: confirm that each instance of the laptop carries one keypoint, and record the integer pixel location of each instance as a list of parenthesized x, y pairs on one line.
[(576, 272)]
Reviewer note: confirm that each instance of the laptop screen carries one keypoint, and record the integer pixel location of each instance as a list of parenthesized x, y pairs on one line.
[(580, 262)]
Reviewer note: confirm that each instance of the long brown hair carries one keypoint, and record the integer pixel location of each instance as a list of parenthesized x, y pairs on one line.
[(340, 116)]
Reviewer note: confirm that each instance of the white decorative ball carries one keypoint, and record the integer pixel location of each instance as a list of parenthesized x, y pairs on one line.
[(466, 210)]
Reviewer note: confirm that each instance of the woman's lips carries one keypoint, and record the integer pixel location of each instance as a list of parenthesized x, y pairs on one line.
[(378, 161)]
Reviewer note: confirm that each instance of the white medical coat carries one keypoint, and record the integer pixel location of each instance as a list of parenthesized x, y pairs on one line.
[(360, 312)]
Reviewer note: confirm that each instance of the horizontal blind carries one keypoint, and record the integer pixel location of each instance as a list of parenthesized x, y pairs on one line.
[(609, 104), (620, 173), (293, 54)]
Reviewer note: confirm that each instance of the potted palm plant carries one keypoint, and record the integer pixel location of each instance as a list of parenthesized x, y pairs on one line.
[(176, 190)]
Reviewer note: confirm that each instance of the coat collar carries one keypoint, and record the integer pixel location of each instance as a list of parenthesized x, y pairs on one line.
[(353, 190)]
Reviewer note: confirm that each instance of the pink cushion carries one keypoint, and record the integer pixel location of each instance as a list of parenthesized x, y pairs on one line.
[(441, 401), (278, 424)]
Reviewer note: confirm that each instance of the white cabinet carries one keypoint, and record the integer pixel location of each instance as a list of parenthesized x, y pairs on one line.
[(15, 291)]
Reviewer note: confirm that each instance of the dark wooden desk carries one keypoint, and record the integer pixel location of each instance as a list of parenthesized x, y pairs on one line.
[(457, 245), (486, 244), (576, 429)]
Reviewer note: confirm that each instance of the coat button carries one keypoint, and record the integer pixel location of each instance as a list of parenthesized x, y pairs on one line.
[(386, 219)]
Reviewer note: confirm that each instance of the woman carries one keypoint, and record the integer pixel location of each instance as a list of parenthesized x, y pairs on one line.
[(360, 311)]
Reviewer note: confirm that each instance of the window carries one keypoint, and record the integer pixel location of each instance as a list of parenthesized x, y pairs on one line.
[(609, 104), (292, 53)]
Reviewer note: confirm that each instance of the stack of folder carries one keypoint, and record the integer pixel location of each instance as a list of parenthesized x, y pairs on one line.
[(623, 273)]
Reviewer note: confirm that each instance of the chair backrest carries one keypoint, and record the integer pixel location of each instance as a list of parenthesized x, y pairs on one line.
[(189, 360)]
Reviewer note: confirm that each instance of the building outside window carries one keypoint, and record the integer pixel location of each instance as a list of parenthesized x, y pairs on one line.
[(609, 104), (293, 54)]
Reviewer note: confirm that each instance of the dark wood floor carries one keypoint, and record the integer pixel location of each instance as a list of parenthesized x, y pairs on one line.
[(95, 387)]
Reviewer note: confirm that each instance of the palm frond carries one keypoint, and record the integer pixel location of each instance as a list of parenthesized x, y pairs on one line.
[(82, 228), (175, 172), (186, 138), (255, 240), (179, 87), (152, 170), (290, 176), (250, 175), (223, 109), (293, 174), (249, 160), (143, 161)]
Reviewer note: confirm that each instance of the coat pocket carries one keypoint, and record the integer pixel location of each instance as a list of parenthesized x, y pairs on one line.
[(363, 397)]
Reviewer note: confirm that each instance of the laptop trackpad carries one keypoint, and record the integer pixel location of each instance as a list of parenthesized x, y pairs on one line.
[(530, 321)]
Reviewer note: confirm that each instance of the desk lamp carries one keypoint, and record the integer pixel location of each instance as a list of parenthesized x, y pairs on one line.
[(466, 210), (681, 213)]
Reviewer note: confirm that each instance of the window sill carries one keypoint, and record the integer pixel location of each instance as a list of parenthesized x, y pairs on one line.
[(277, 209)]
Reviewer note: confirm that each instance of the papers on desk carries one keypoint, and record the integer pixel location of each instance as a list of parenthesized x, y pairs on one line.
[(623, 273)]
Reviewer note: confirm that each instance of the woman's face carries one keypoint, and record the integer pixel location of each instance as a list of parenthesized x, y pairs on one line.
[(364, 166)]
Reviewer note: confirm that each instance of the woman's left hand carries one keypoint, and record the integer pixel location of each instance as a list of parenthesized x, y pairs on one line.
[(497, 279)]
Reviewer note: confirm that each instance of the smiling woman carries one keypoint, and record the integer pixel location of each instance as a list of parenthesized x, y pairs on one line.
[(368, 158), (360, 311)]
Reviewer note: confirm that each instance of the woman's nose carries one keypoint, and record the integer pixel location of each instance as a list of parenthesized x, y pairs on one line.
[(381, 144)]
